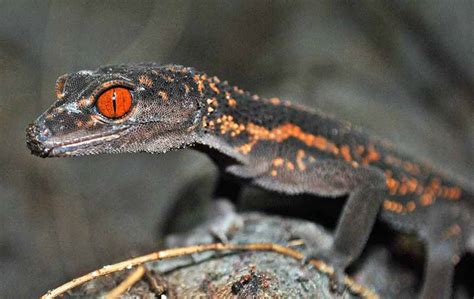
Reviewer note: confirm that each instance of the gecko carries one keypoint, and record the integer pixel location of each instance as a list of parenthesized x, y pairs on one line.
[(269, 143)]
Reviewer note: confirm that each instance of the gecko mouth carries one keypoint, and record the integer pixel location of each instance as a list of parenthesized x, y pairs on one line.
[(39, 146)]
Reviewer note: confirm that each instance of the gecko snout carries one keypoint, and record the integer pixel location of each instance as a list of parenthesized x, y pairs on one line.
[(34, 141)]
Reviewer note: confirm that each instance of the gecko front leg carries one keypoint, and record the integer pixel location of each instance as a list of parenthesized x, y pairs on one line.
[(353, 229), (365, 186), (219, 217), (439, 271), (444, 241), (222, 214)]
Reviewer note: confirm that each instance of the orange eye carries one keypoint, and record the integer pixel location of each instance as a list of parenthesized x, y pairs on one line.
[(114, 102)]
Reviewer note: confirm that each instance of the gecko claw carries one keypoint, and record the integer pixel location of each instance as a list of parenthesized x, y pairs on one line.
[(336, 282), (219, 235), (336, 278), (222, 218)]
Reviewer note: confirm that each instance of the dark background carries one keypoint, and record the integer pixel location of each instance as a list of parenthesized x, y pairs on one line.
[(403, 69)]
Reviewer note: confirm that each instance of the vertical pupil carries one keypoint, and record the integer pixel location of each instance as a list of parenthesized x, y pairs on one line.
[(114, 103)]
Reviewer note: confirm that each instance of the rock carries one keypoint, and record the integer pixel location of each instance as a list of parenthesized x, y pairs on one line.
[(252, 274)]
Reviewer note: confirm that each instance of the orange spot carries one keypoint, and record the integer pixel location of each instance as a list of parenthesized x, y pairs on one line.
[(274, 173), (411, 206), (393, 206), (452, 193), (227, 124), (144, 80), (204, 122), (412, 185), (246, 148), (278, 162), (163, 95), (290, 166), (299, 160), (199, 83), (212, 102), (426, 199), (403, 189), (231, 102), (214, 88), (392, 185), (346, 153), (114, 102), (275, 101), (372, 155)]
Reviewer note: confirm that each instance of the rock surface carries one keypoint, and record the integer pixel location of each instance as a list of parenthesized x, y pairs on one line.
[(256, 274)]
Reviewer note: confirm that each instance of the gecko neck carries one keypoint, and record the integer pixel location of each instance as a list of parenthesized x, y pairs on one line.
[(228, 114)]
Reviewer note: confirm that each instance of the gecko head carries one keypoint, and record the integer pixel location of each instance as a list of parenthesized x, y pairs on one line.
[(124, 108)]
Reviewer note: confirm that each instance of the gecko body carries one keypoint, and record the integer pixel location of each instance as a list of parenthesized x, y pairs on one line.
[(267, 142)]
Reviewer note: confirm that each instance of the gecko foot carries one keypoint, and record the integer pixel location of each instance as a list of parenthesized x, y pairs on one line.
[(332, 259), (221, 218)]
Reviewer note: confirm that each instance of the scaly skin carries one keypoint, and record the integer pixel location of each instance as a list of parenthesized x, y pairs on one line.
[(270, 143)]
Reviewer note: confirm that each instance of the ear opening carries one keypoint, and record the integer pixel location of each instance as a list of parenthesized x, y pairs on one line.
[(59, 87)]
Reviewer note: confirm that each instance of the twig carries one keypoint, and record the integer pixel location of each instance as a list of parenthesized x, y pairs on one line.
[(127, 283), (177, 252)]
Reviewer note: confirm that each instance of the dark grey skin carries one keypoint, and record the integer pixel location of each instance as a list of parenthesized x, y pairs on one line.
[(271, 144)]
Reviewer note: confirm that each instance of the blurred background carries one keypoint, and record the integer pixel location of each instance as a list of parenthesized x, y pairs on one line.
[(403, 69)]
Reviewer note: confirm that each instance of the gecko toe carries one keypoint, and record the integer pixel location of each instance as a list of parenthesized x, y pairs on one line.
[(336, 273)]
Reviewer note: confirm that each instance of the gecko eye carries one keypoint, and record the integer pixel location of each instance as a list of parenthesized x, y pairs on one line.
[(114, 102)]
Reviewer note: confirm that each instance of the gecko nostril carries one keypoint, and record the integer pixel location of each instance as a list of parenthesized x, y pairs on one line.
[(46, 132)]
